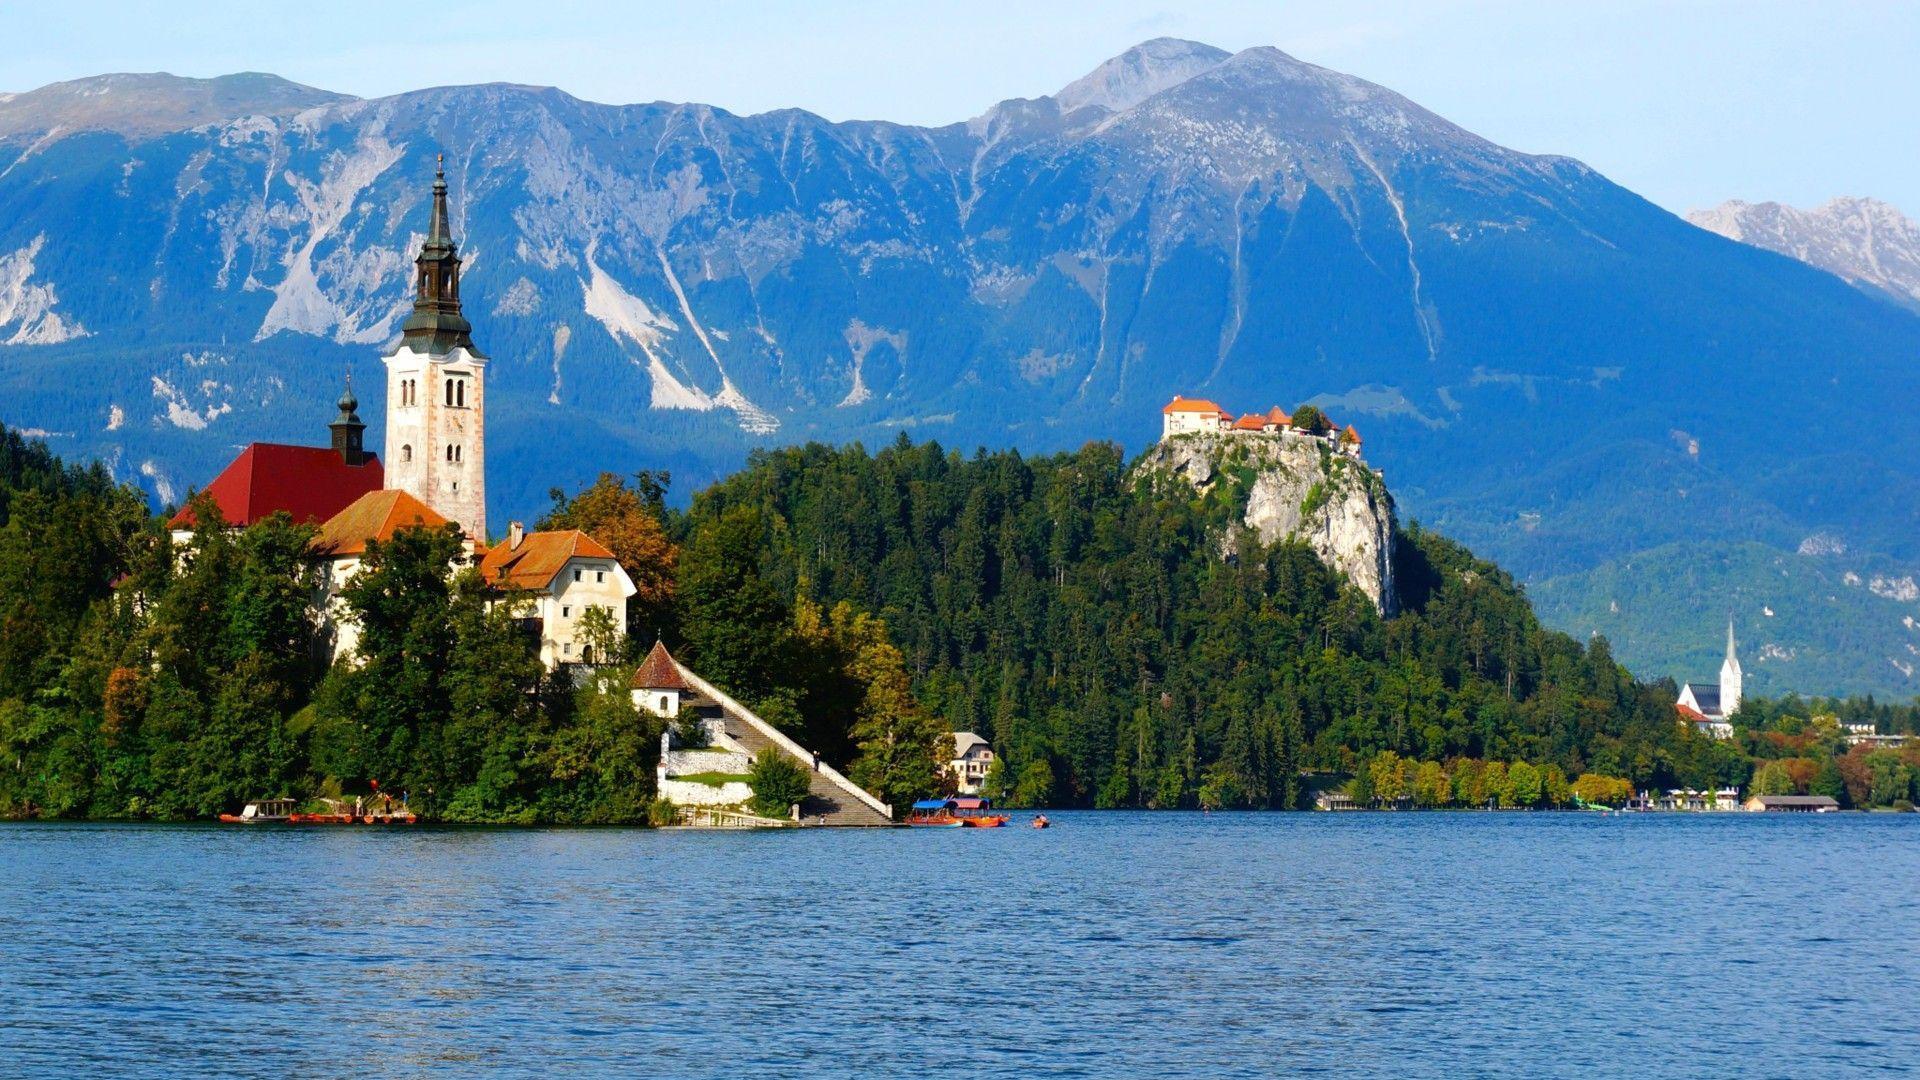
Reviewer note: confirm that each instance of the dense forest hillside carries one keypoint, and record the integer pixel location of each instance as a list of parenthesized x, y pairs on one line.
[(1086, 621), (1123, 638)]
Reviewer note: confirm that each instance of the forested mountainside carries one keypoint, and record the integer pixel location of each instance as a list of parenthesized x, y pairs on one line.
[(1087, 618), (1547, 366)]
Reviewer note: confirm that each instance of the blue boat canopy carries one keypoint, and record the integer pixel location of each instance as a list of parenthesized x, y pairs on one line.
[(930, 804)]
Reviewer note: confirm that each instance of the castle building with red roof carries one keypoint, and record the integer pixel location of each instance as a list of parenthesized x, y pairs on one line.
[(1197, 416)]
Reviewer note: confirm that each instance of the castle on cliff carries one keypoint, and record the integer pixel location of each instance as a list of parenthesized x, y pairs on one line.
[(1196, 416)]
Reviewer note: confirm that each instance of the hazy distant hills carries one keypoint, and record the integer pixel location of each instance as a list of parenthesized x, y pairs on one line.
[(1547, 366), (1864, 241)]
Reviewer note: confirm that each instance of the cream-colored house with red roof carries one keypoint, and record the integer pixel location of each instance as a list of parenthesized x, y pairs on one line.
[(1184, 416), (554, 579), (551, 579)]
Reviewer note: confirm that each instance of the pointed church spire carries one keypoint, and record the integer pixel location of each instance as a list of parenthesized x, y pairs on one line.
[(1730, 655), (436, 325)]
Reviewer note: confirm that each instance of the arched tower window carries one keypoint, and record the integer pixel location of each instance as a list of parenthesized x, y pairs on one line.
[(406, 452), (449, 453), (460, 392), (449, 391)]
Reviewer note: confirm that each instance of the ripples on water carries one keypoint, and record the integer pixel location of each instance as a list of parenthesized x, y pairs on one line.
[(1113, 944)]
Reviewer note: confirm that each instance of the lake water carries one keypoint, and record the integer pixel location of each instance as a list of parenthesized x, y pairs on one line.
[(1113, 944)]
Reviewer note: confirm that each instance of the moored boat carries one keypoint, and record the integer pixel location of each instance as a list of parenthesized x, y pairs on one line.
[(933, 814), (261, 812), (338, 813)]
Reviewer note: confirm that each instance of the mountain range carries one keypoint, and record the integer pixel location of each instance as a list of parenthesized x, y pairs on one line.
[(1570, 379), (1865, 241)]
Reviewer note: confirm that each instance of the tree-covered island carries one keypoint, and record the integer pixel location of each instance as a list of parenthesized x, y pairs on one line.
[(1122, 643)]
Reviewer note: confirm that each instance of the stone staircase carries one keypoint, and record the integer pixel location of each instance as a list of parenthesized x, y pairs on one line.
[(827, 798)]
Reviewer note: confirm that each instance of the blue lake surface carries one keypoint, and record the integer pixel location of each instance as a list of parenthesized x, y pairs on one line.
[(1116, 944)]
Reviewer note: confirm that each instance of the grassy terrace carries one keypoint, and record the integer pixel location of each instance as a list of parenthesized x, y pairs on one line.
[(713, 779)]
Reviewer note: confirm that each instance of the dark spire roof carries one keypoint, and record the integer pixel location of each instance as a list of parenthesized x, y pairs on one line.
[(349, 434), (436, 324), (348, 404)]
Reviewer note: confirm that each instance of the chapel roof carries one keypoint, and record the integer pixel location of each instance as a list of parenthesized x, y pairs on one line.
[(309, 483), (377, 515), (659, 671), (1706, 695)]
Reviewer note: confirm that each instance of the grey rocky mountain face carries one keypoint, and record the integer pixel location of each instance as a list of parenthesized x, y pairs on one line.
[(1545, 365), (1864, 241)]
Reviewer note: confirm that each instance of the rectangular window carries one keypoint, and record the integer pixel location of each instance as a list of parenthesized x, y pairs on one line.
[(567, 649), (599, 575), (566, 612), (576, 575)]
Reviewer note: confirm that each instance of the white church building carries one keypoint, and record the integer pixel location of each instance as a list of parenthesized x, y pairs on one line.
[(434, 474), (1709, 707)]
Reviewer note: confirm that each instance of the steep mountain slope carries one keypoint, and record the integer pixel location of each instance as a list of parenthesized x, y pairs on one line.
[(1864, 241), (1544, 364)]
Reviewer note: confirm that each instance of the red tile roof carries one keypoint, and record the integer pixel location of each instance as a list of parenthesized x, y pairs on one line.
[(310, 483), (1199, 405), (1250, 422), (659, 671), (377, 515), (539, 558)]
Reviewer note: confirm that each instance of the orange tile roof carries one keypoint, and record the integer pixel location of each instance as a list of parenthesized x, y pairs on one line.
[(540, 556), (1199, 405), (659, 671), (1350, 435), (1279, 416), (1692, 715), (1250, 422), (377, 515)]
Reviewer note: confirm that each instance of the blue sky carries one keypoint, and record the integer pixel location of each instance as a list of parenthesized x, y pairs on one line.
[(1689, 102)]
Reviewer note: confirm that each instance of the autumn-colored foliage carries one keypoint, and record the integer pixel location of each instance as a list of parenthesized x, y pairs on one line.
[(627, 518)]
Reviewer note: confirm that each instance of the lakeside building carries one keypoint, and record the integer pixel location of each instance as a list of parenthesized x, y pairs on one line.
[(707, 752), (1793, 804), (972, 760), (1198, 416), (435, 475), (1708, 707)]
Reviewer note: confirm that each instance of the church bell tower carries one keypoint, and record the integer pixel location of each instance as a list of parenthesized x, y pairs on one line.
[(1730, 677), (436, 388)]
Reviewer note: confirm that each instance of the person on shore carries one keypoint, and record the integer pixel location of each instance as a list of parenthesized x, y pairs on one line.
[(816, 761)]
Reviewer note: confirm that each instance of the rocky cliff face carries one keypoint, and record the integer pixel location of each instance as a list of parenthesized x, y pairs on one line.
[(1295, 486)]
